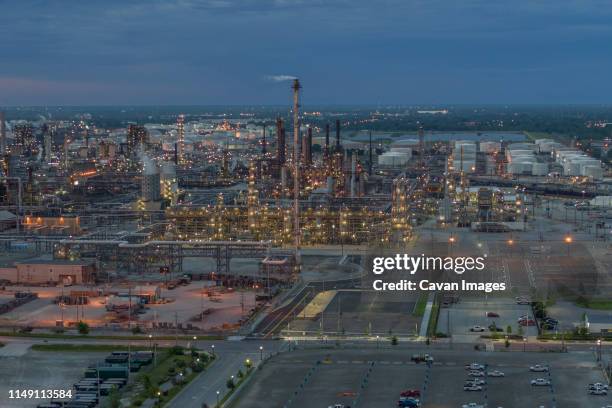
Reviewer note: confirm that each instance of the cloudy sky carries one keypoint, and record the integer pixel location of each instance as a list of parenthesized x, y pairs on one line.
[(344, 51)]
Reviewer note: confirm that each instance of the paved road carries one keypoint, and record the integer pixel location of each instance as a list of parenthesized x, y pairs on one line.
[(231, 357)]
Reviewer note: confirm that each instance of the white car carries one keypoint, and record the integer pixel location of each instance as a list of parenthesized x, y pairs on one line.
[(472, 388), (472, 405), (477, 329), (538, 368), (599, 391), (595, 386), (540, 382), (476, 373), (474, 366), (495, 373), (475, 381)]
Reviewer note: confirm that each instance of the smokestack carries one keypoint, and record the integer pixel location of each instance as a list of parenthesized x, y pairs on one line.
[(176, 153), (338, 147), (2, 135), (296, 162), (370, 165), (307, 147), (353, 170), (263, 142), (280, 142)]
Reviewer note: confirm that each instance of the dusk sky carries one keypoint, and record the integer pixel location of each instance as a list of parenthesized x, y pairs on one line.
[(344, 51)]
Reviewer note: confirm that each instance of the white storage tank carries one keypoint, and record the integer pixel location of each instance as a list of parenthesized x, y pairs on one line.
[(594, 172), (539, 169), (469, 166), (520, 168), (522, 146), (571, 168), (393, 159), (406, 150), (490, 147)]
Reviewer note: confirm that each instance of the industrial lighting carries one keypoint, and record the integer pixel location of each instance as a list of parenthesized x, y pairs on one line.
[(568, 239)]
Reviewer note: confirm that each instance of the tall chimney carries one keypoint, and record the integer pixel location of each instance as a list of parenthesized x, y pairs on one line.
[(280, 142), (296, 162), (263, 142), (326, 139), (338, 147), (2, 135), (370, 164), (307, 147)]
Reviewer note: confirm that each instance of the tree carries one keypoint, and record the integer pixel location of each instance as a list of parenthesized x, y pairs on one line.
[(83, 327), (114, 400), (230, 384), (509, 329), (394, 341)]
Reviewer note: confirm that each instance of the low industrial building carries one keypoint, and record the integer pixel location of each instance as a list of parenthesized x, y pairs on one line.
[(37, 272)]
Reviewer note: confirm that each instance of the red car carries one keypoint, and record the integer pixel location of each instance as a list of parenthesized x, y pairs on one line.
[(492, 314), (527, 322), (411, 393)]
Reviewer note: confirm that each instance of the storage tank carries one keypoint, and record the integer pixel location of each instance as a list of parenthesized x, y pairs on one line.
[(406, 150), (393, 159), (594, 172), (490, 147), (522, 146), (539, 169), (571, 168), (520, 168)]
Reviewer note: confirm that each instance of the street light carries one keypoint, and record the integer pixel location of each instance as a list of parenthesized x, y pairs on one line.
[(524, 343), (150, 341), (568, 240), (213, 350), (377, 338), (598, 349), (218, 392), (260, 353)]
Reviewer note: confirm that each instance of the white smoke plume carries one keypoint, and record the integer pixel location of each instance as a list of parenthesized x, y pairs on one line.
[(280, 78)]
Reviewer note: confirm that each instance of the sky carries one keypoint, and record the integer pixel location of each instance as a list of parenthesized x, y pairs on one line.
[(383, 52)]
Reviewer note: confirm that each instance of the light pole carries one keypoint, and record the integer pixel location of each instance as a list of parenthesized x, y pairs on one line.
[(218, 392), (260, 353), (568, 240), (150, 341), (377, 339), (524, 344), (213, 350), (598, 349)]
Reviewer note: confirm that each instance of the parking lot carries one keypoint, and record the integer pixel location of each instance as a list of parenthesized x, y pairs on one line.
[(470, 311), (375, 378), (364, 311)]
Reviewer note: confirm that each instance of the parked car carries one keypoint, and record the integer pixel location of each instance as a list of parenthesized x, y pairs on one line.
[(474, 366), (474, 381), (408, 403), (477, 328), (540, 382), (496, 373), (538, 368), (492, 314), (476, 373), (600, 391), (410, 393), (472, 388)]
